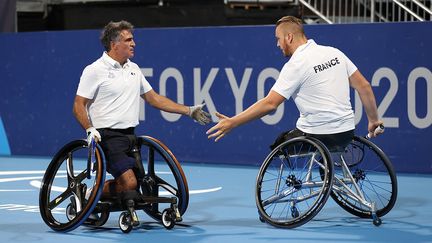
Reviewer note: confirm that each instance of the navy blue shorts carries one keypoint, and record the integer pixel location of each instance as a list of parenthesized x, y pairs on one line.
[(334, 142), (117, 146)]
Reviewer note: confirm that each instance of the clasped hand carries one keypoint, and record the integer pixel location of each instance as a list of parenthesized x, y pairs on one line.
[(93, 133), (223, 127), (199, 115)]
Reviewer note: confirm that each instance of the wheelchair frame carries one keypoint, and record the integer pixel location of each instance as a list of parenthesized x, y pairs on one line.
[(297, 177), (86, 201)]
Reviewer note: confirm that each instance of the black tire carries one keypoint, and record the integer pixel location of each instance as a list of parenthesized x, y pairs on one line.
[(101, 219), (125, 222), (57, 193), (375, 177), (285, 171), (168, 218), (165, 178)]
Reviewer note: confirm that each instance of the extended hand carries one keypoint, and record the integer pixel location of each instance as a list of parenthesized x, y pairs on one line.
[(93, 133), (197, 113), (223, 127)]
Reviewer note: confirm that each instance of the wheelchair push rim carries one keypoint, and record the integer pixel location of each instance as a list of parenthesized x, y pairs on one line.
[(166, 174), (65, 185)]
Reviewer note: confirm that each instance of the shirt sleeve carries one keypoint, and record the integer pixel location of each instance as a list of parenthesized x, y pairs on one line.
[(289, 80), (88, 84), (350, 67)]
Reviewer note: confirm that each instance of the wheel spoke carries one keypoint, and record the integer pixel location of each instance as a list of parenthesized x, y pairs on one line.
[(81, 176), (69, 168), (59, 199), (162, 183)]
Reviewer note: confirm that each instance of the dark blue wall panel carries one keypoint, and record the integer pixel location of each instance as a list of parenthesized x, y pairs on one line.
[(40, 71)]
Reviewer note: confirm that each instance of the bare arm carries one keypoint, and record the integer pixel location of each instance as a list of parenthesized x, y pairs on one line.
[(80, 111), (163, 103), (367, 97), (257, 110)]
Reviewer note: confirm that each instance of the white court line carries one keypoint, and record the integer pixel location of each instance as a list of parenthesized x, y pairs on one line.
[(16, 190), (25, 172), (30, 172), (21, 178), (38, 184), (205, 190)]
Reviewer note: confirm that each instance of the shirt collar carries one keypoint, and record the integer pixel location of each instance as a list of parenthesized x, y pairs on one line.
[(113, 62), (301, 48)]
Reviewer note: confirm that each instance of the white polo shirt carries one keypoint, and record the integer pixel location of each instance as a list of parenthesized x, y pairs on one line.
[(114, 92), (316, 77)]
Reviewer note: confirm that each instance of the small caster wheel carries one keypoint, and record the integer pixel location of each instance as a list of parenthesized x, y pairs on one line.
[(168, 218), (261, 219), (294, 212), (125, 222), (377, 221), (70, 212), (103, 218)]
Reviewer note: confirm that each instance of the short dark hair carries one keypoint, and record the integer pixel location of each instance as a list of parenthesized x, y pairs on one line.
[(293, 21), (111, 32)]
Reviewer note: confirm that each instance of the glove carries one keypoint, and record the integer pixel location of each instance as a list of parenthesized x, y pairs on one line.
[(196, 112), (93, 133)]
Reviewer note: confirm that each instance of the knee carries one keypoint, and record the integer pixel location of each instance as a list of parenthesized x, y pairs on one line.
[(127, 181), (132, 183)]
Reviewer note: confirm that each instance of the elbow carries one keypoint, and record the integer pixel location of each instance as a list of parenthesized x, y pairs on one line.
[(273, 107), (75, 110), (154, 101), (78, 107), (365, 88)]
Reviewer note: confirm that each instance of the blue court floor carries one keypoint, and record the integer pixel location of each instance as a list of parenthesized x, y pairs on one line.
[(221, 209)]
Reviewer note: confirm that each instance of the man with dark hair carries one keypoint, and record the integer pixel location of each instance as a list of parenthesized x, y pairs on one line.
[(107, 104), (318, 78)]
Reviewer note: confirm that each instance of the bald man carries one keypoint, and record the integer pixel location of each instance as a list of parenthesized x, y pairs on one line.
[(318, 78)]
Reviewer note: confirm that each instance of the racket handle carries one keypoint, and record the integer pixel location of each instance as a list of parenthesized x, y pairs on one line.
[(379, 129)]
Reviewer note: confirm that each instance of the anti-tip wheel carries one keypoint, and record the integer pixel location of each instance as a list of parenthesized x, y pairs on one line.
[(377, 221), (168, 218)]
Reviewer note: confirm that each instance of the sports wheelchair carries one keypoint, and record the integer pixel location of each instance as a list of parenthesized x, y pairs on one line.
[(297, 177), (70, 194)]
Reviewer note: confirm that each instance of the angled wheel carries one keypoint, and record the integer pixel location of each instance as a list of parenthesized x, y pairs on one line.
[(164, 177), (69, 191), (97, 220), (294, 182), (374, 175)]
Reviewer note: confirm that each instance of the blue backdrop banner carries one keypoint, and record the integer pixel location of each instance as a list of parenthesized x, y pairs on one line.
[(228, 68)]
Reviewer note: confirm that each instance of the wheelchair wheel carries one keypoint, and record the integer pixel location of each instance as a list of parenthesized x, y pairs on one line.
[(373, 173), (68, 192), (294, 182), (164, 177)]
